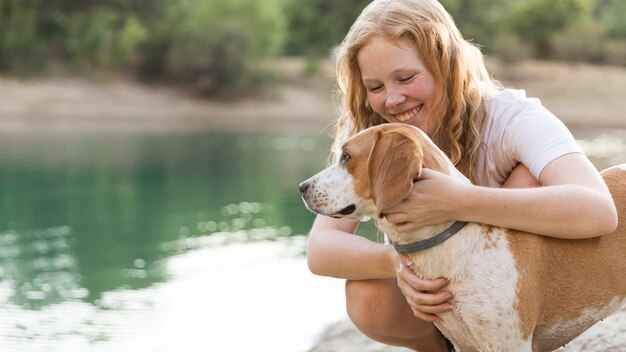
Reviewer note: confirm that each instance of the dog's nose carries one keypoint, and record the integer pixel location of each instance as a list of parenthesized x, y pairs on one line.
[(303, 187)]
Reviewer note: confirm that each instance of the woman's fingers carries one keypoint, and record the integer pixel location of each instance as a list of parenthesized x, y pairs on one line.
[(419, 294), (426, 317), (401, 222), (420, 284), (421, 305), (434, 301), (423, 297), (425, 311), (442, 308)]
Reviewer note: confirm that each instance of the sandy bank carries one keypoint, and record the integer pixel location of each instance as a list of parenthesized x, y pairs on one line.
[(581, 95)]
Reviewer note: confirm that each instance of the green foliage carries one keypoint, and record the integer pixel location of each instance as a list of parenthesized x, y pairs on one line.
[(131, 36), (316, 26), (611, 14), (218, 46), (21, 50), (539, 20), (215, 45), (477, 19), (104, 39)]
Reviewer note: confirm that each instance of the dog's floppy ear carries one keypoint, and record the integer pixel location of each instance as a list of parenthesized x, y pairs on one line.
[(394, 162)]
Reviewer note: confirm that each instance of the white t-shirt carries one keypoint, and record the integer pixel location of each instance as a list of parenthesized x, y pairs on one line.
[(519, 130)]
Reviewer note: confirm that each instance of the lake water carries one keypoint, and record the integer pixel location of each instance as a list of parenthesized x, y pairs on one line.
[(154, 241)]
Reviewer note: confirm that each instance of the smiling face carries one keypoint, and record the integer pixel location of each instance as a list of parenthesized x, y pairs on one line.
[(399, 87)]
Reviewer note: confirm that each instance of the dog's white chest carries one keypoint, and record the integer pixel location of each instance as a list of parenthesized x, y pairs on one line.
[(483, 279)]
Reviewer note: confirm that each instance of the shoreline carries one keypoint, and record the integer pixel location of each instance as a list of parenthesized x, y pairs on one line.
[(581, 95)]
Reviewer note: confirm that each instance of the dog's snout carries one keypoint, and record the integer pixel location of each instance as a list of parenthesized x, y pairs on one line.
[(303, 187)]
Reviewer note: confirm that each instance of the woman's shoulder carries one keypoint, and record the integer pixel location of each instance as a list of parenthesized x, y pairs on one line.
[(510, 98), (506, 106)]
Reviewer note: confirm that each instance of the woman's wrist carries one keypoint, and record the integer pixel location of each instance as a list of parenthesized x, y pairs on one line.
[(463, 205), (392, 261)]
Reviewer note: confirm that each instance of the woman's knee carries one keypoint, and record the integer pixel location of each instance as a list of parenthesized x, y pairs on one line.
[(379, 310), (370, 304)]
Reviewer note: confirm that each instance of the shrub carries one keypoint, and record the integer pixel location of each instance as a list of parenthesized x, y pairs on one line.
[(315, 27), (579, 43), (511, 49), (610, 14), (103, 38), (21, 50), (217, 46), (539, 20)]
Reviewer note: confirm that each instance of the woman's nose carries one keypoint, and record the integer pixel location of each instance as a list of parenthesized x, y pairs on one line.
[(394, 97)]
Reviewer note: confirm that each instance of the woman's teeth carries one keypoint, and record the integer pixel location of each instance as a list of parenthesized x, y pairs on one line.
[(408, 115)]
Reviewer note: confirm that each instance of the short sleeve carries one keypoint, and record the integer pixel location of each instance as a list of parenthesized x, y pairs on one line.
[(535, 137), (519, 130)]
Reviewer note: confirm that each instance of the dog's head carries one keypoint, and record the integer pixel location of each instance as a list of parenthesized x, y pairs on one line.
[(376, 170)]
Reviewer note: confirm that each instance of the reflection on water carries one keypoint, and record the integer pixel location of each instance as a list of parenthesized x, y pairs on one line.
[(128, 240), (100, 211), (40, 267), (604, 148), (90, 221)]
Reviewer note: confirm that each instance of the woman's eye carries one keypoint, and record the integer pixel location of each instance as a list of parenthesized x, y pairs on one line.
[(344, 158), (406, 79), (375, 89)]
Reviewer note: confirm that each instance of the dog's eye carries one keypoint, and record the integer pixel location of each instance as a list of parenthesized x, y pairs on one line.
[(344, 158)]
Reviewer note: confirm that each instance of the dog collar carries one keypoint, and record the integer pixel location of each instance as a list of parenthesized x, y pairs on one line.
[(431, 242)]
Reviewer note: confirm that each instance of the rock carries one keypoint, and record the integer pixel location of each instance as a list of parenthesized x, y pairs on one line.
[(344, 337), (608, 335)]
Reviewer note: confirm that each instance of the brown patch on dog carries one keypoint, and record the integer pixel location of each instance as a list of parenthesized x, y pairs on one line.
[(490, 237), (546, 266), (395, 162)]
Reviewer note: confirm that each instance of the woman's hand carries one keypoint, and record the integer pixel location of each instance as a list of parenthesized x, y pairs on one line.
[(418, 292), (433, 200)]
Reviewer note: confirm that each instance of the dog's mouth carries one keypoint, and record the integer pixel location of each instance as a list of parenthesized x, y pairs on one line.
[(347, 210)]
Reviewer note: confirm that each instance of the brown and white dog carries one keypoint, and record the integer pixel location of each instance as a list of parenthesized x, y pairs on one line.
[(513, 291)]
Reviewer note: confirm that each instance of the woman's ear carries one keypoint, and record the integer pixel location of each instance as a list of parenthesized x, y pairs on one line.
[(395, 161)]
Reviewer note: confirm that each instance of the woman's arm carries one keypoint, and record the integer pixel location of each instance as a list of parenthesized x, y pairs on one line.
[(574, 202), (334, 250)]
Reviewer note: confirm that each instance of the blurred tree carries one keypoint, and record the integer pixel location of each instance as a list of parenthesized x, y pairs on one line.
[(102, 38), (477, 19), (611, 14), (539, 20), (104, 33), (215, 45), (21, 49), (218, 46), (315, 27)]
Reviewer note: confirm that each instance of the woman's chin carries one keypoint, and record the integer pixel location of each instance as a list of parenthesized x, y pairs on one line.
[(416, 121)]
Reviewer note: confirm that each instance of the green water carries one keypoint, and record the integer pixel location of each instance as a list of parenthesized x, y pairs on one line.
[(87, 213)]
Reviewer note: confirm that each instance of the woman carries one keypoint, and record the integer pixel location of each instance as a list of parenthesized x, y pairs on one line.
[(405, 61)]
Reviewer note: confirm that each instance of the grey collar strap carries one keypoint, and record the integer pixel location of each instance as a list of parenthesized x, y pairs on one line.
[(431, 242)]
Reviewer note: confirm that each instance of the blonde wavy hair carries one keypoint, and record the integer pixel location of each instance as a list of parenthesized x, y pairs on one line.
[(456, 65)]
